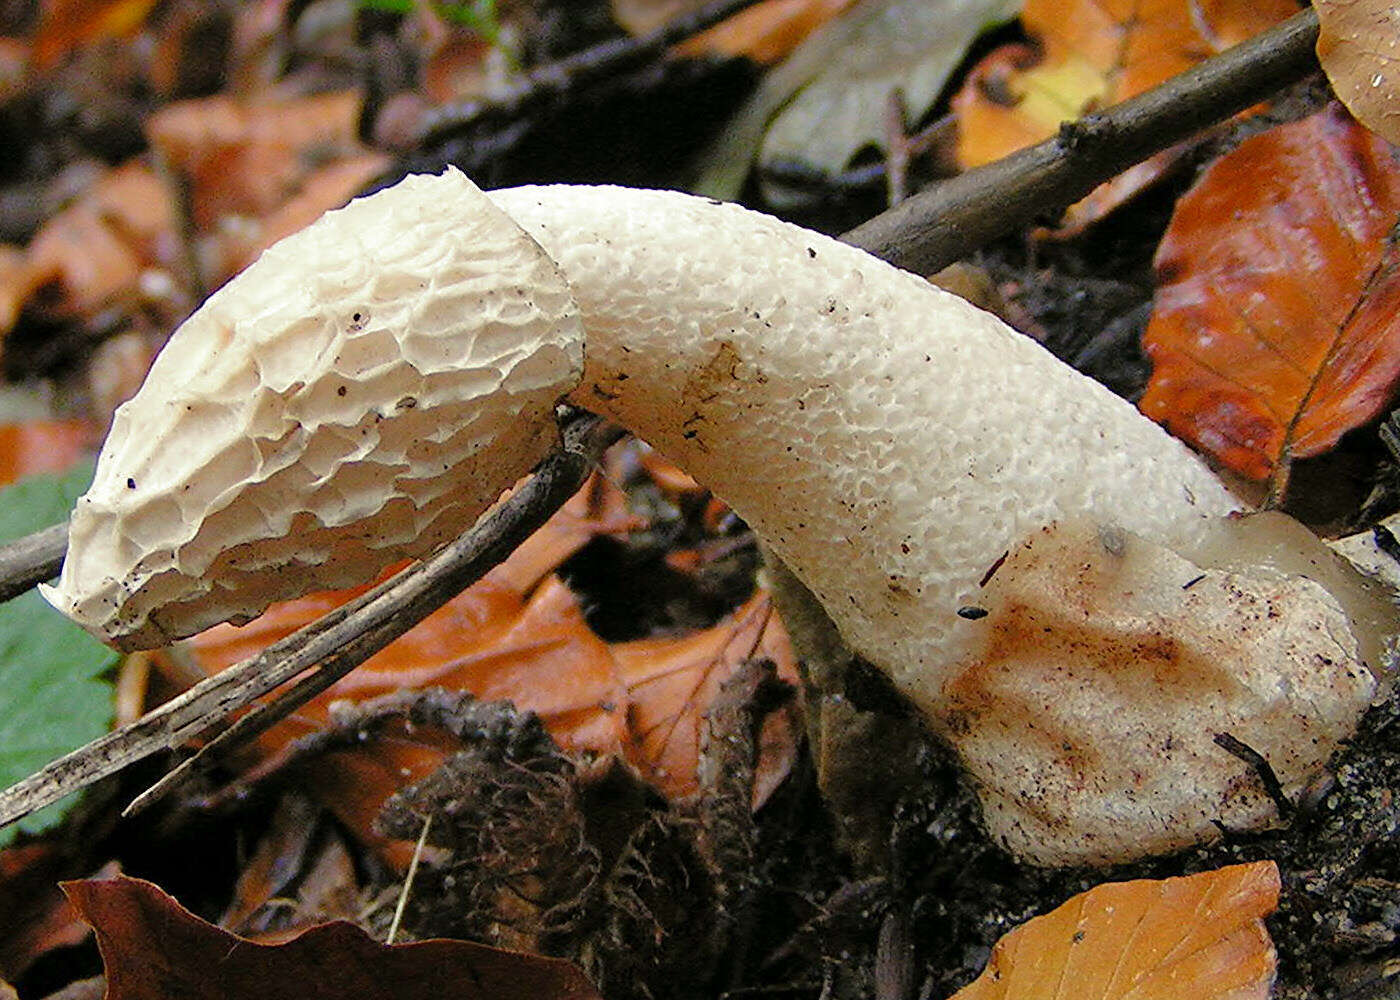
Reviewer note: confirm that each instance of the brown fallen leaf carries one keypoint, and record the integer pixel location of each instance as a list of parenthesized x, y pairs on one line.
[(35, 919), (154, 949), (1200, 937), (671, 682), (766, 32), (246, 158), (1275, 325), (43, 446), (1090, 54), (299, 874), (1356, 46), (320, 190), (65, 25), (93, 253), (520, 635)]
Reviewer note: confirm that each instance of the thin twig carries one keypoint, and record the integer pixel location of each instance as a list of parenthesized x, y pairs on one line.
[(408, 880), (339, 641), (32, 559), (544, 83), (945, 222)]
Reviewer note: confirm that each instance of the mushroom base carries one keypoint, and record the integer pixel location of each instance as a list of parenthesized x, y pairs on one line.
[(1101, 675)]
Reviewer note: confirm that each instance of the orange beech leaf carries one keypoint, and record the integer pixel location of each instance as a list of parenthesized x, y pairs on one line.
[(43, 446), (65, 25), (1356, 46), (672, 681), (765, 32), (245, 158), (154, 949), (1200, 937), (1090, 54), (492, 640), (328, 187), (520, 635), (1275, 326), (93, 252)]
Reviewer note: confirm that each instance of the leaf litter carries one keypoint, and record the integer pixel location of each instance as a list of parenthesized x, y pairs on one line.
[(554, 598), (1274, 328)]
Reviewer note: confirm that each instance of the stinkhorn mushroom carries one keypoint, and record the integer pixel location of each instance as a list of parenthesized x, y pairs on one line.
[(1053, 581)]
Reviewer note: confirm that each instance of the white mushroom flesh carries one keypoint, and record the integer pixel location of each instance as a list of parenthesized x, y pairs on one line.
[(325, 414), (890, 442)]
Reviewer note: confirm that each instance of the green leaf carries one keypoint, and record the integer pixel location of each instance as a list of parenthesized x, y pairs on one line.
[(53, 697), (828, 100)]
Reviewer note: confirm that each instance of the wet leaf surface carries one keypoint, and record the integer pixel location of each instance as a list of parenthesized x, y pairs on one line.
[(1274, 329), (1359, 48)]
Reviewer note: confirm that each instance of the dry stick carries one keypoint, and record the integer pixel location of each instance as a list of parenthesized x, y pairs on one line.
[(552, 79), (926, 232), (338, 642), (32, 559)]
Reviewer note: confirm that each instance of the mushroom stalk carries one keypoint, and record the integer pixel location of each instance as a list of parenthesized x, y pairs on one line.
[(1005, 538), (889, 441)]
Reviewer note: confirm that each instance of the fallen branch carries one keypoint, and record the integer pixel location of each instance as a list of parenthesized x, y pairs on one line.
[(545, 83)]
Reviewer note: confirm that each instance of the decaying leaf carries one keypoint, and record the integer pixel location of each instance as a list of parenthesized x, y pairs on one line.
[(93, 253), (1201, 937), (246, 158), (155, 949), (1357, 49), (68, 24), (671, 683), (35, 918), (765, 32), (300, 874), (1275, 324), (520, 635), (843, 77), (1090, 54)]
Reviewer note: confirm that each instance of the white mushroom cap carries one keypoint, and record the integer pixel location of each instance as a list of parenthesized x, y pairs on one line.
[(889, 441), (357, 396)]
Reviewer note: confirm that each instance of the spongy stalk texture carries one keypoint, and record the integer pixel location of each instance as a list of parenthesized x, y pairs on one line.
[(357, 396), (888, 440)]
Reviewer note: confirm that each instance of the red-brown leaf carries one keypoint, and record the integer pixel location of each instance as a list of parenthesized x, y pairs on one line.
[(155, 949), (43, 446), (66, 25), (1275, 328), (520, 635)]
